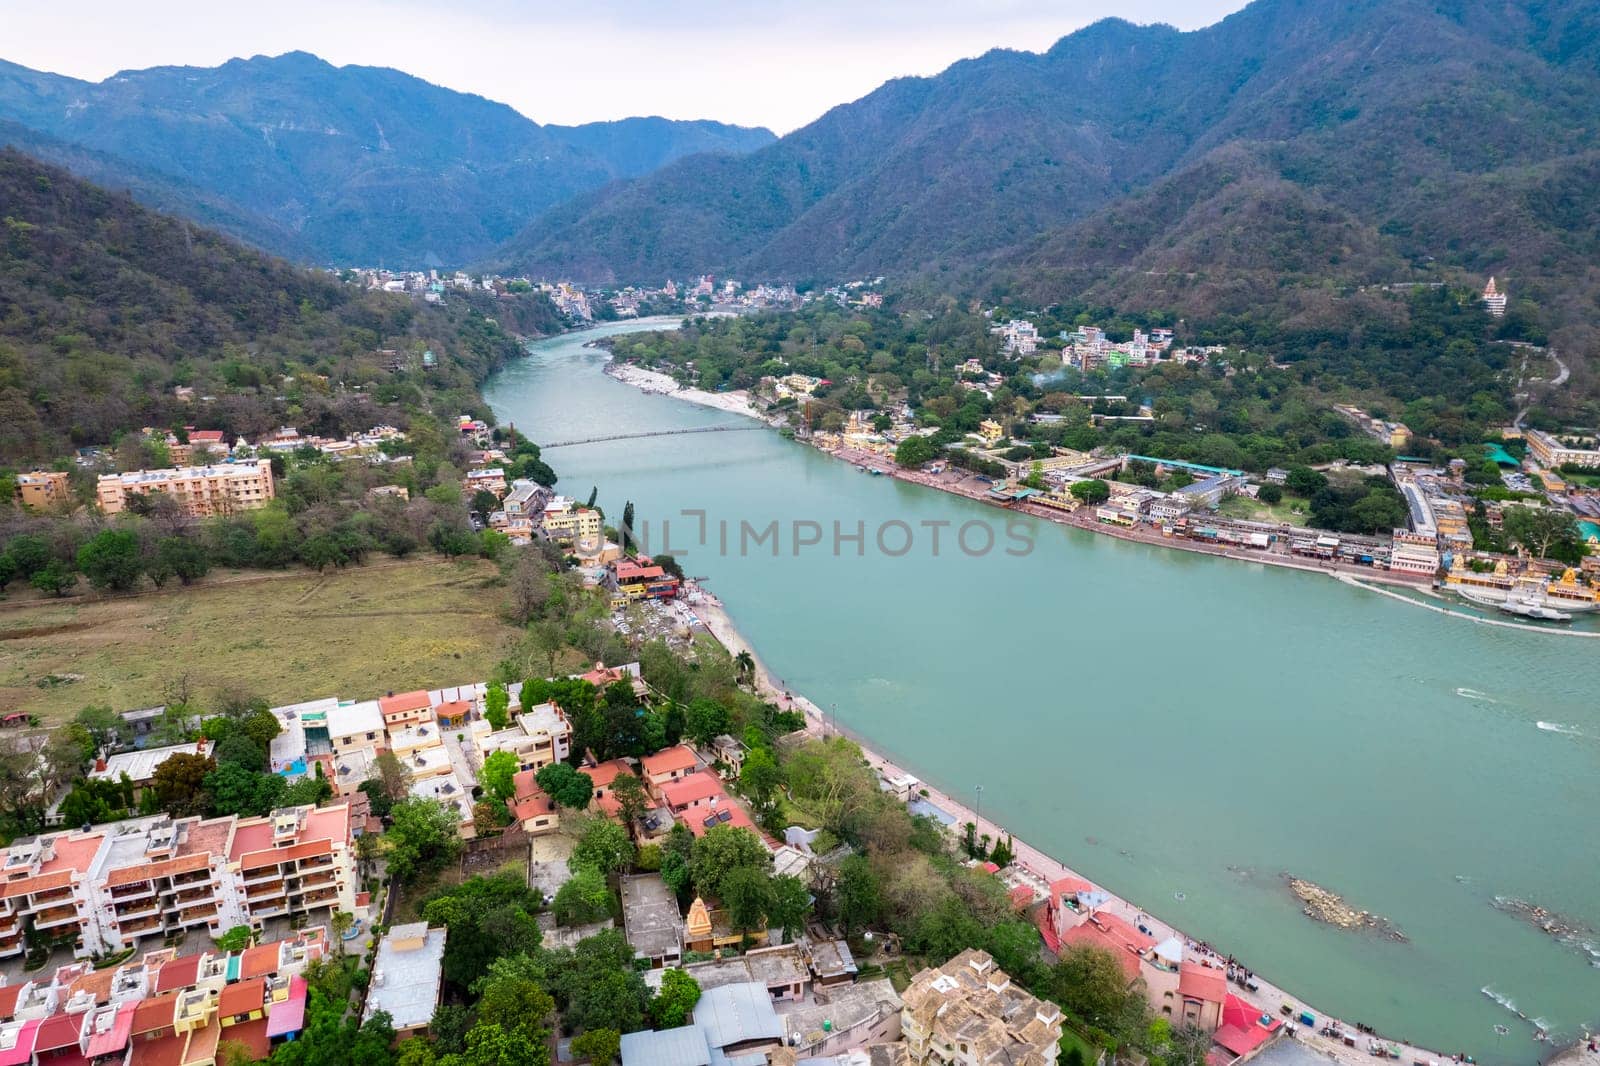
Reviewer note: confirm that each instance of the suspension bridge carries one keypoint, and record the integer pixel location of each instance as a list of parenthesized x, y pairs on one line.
[(650, 433)]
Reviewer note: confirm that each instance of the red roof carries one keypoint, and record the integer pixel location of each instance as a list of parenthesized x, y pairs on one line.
[(701, 820), (23, 886), (167, 1051), (58, 1031), (532, 807), (607, 772), (1202, 982), (668, 760), (242, 997), (253, 1035), (402, 702), (696, 788), (179, 973), (990, 868), (310, 849), (22, 1050), (114, 1038), (1124, 933), (153, 1014), (205, 436), (1093, 936), (1021, 896), (149, 871), (1069, 886), (634, 572), (8, 999)]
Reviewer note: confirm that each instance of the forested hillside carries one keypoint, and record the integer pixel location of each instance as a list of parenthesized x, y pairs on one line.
[(342, 165), (106, 308), (1291, 147)]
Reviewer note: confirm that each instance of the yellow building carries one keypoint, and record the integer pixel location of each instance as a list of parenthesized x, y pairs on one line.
[(991, 431), (43, 490), (569, 524), (202, 491)]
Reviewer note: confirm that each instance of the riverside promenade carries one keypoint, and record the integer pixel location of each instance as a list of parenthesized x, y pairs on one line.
[(1268, 998)]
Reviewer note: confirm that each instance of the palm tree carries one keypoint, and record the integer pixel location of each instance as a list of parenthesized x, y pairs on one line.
[(341, 922), (745, 663)]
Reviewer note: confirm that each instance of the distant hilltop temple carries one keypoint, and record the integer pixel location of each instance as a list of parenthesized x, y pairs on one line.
[(1494, 299)]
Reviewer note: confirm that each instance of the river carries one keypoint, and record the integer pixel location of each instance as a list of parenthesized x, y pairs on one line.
[(1185, 730)]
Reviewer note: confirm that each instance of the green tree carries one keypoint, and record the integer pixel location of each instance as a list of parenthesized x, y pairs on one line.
[(235, 939), (720, 852), (55, 578), (858, 894), (422, 837), (495, 704), (499, 770), (603, 845), (705, 721), (1092, 492), (583, 898), (632, 799), (565, 786), (914, 451), (671, 1006), (599, 1046), (488, 918), (760, 777), (183, 557), (790, 905), (1545, 532), (179, 783), (1089, 982), (110, 560), (103, 725), (1304, 481)]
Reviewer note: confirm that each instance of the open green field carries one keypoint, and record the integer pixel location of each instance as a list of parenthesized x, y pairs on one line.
[(287, 637), (1248, 510)]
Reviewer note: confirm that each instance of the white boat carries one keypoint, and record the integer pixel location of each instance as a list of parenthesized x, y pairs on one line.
[(1525, 609)]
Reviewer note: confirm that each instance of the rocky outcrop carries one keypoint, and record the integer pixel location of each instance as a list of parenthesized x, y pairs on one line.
[(1330, 908)]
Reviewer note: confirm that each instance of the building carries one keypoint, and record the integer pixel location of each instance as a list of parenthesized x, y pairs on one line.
[(1494, 300), (668, 765), (534, 811), (991, 431), (405, 710), (537, 738), (732, 1024), (699, 802), (406, 977), (1551, 452), (567, 523), (492, 479), (105, 888), (356, 725), (1017, 337), (968, 1012), (650, 920), (44, 490), (201, 491), (140, 765), (640, 579)]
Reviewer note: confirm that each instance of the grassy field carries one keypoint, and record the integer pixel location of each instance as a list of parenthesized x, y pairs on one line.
[(1248, 510), (286, 637)]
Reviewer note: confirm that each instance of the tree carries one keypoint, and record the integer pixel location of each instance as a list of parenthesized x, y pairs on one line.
[(1270, 494), (495, 704), (103, 725), (340, 923), (760, 777), (1304, 481), (389, 778), (235, 789), (858, 894), (183, 557), (705, 721), (1089, 982), (671, 1005), (583, 898), (1092, 492), (55, 578), (600, 1046), (789, 906), (1544, 532), (514, 1002), (625, 531), (720, 852), (632, 799), (914, 451), (235, 939), (603, 845), (499, 769), (110, 560), (488, 918), (747, 897), (565, 786), (179, 783), (423, 837)]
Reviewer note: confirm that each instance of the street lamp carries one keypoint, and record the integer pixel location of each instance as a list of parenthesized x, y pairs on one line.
[(979, 812)]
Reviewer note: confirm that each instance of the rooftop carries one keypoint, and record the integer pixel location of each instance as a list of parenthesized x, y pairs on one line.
[(140, 765), (355, 719), (650, 916), (405, 979)]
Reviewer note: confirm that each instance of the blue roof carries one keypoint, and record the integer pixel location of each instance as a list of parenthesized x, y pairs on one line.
[(683, 1046), (1182, 465), (733, 1014)]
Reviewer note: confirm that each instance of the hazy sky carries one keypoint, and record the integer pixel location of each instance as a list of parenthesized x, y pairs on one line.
[(776, 63)]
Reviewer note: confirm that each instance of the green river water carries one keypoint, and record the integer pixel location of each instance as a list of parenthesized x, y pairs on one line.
[(1184, 730)]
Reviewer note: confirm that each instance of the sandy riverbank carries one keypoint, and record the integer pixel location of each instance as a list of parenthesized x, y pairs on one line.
[(1269, 998), (735, 403)]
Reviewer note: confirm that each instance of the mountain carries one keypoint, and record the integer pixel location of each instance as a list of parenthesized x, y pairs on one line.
[(1356, 139), (108, 307), (351, 165)]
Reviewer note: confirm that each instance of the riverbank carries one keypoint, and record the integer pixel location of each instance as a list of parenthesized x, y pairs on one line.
[(658, 384), (1268, 998)]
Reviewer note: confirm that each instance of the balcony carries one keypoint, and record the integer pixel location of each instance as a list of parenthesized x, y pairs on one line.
[(324, 898), (133, 891), (264, 890), (266, 873), (311, 884), (55, 916), (142, 927), (52, 898), (194, 895), (269, 910), (193, 877), (137, 910)]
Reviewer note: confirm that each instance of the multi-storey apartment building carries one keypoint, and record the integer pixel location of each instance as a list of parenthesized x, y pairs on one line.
[(968, 1012), (202, 491), (113, 885), (44, 490), (538, 738)]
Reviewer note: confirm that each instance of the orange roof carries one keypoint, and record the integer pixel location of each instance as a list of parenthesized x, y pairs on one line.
[(8, 999), (607, 772), (253, 1035), (23, 886), (202, 1047), (1069, 886), (310, 849), (1093, 936), (1202, 982), (250, 835), (259, 961), (149, 871), (702, 820), (452, 708), (403, 702), (153, 1014), (668, 760), (532, 807), (167, 1051), (73, 853), (695, 788), (242, 997), (96, 982)]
